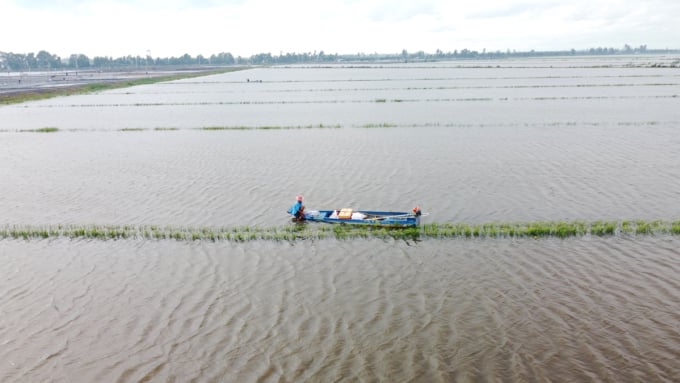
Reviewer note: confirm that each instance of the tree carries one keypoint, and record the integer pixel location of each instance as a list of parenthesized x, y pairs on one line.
[(78, 61), (262, 58), (101, 62), (186, 59), (16, 61), (45, 60), (223, 58), (31, 61)]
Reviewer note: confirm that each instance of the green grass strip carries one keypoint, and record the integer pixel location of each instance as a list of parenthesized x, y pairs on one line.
[(32, 94), (48, 129), (311, 231), (269, 127)]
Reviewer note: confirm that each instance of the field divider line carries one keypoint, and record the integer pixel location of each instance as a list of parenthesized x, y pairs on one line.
[(316, 231)]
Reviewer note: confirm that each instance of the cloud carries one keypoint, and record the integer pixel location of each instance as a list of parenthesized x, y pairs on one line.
[(511, 10), (245, 27), (63, 5), (396, 11)]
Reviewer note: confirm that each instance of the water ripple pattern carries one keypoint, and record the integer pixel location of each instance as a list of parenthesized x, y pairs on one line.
[(459, 174), (526, 140), (371, 310)]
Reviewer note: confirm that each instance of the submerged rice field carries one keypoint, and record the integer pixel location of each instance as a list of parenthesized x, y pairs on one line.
[(302, 231), (144, 234)]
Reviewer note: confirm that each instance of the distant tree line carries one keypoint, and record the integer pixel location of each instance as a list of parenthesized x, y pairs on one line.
[(484, 54), (45, 61)]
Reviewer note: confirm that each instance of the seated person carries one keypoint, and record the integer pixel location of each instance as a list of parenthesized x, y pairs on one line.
[(297, 210)]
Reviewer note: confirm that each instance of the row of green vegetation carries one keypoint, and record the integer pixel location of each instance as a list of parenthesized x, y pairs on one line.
[(44, 93), (52, 92), (47, 129), (293, 232), (560, 229), (51, 129), (270, 127), (461, 87)]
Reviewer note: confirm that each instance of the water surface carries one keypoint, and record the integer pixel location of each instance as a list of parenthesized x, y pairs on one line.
[(451, 310), (516, 140)]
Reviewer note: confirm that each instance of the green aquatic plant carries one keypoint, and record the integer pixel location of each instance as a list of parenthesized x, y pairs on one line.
[(383, 125), (47, 129), (322, 126), (307, 231), (269, 127), (335, 126), (222, 128), (601, 228), (675, 228)]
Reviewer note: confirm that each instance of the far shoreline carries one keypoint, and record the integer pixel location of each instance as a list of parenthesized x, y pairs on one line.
[(23, 87)]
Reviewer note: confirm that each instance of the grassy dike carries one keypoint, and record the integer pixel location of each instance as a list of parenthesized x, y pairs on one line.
[(311, 231), (32, 94)]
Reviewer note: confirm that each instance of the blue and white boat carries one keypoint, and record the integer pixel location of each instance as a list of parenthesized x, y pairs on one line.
[(366, 217)]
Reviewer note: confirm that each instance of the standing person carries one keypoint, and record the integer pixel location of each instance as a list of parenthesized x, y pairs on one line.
[(298, 209)]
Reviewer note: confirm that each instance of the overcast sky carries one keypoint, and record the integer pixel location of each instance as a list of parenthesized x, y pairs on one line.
[(243, 27)]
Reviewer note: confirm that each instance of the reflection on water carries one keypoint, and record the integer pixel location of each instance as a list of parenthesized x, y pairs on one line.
[(437, 310), (523, 141)]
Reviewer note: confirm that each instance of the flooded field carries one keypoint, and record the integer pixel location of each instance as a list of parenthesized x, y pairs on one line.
[(364, 310), (474, 142)]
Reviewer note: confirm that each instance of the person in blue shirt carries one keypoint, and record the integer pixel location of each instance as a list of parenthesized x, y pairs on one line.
[(298, 209)]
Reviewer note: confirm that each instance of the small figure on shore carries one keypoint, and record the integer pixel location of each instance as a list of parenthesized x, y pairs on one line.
[(297, 210)]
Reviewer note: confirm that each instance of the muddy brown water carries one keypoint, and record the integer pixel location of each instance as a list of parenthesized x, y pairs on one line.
[(522, 141), (598, 309)]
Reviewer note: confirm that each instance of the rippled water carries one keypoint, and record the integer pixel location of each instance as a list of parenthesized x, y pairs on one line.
[(521, 140), (493, 92), (461, 310), (250, 177)]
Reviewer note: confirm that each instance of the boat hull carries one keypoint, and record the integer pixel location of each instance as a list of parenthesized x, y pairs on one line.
[(373, 218)]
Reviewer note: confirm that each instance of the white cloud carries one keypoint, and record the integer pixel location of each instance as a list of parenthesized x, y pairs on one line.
[(245, 27)]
